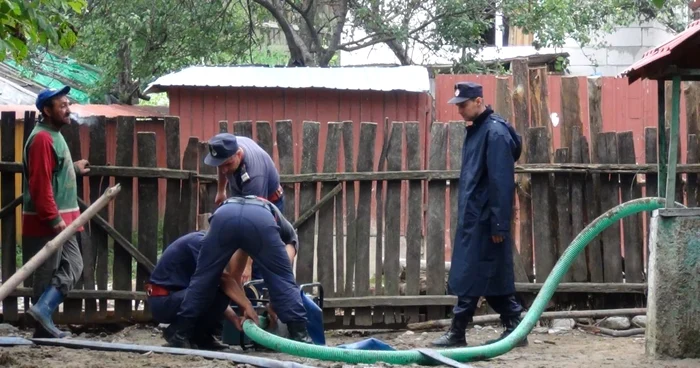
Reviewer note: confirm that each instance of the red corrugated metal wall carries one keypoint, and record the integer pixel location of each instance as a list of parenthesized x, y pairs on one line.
[(201, 109)]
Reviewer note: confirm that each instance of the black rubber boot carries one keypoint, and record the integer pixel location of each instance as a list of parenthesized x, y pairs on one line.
[(298, 332), (509, 324), (455, 336)]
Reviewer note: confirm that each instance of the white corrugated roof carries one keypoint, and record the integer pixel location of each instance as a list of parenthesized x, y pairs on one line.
[(412, 78)]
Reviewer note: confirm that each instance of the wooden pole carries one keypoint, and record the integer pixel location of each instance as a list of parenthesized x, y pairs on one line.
[(11, 284), (490, 318), (661, 139), (673, 143)]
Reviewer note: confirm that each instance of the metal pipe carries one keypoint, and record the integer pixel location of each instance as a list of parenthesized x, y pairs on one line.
[(56, 243), (133, 348)]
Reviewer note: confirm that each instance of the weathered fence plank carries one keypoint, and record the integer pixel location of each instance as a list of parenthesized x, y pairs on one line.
[(29, 123), (171, 218), (223, 126), (570, 110), (579, 269), (631, 225), (325, 247), (123, 215), (651, 179), (243, 128), (207, 191), (350, 219), (609, 192), (147, 205), (545, 252), (693, 157), (456, 132), (98, 237), (9, 228), (595, 113), (393, 211), (435, 240), (190, 188), (264, 133), (595, 248), (285, 148), (414, 221), (307, 199), (521, 118), (378, 313), (365, 163), (562, 188), (73, 308)]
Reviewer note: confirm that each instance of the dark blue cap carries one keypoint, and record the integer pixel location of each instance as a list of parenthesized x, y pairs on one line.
[(47, 94), (221, 147), (466, 91)]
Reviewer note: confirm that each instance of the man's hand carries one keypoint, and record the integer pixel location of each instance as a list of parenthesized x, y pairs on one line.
[(272, 315), (249, 313), (81, 166), (247, 273), (497, 239), (220, 198), (60, 227)]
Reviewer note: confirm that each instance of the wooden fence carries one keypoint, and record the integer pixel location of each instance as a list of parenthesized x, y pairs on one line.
[(376, 272)]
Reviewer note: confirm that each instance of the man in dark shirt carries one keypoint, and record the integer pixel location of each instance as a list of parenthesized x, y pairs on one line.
[(246, 169), (256, 228)]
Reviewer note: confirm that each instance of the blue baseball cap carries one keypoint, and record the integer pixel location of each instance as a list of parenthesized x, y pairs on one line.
[(466, 91), (221, 147), (47, 94)]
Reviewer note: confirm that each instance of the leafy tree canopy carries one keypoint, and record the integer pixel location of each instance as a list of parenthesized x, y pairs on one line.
[(26, 24)]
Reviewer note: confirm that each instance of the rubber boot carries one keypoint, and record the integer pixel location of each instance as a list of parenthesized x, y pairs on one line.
[(42, 311), (298, 332), (455, 336), (509, 324)]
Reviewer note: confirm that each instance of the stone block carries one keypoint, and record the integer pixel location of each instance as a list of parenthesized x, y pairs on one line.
[(673, 306)]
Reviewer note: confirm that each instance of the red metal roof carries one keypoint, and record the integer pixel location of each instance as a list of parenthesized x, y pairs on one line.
[(108, 111), (667, 54)]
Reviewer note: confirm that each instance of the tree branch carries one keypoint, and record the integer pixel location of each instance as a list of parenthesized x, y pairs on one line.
[(297, 49), (308, 21)]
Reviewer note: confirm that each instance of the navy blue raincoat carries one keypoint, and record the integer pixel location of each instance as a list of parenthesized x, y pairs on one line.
[(479, 266)]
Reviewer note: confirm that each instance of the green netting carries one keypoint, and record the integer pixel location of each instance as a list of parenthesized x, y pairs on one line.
[(53, 71)]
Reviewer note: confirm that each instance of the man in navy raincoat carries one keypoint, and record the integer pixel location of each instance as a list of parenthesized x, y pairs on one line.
[(482, 261)]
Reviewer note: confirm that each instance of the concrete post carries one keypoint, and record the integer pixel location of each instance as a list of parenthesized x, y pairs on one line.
[(673, 307)]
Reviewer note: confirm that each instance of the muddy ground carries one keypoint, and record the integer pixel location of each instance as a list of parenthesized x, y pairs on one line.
[(569, 349)]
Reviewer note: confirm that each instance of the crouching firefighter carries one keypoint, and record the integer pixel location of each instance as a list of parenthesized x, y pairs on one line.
[(257, 228)]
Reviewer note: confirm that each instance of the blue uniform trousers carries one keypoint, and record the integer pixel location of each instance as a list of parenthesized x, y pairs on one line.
[(256, 273), (253, 228), (505, 305), (164, 309)]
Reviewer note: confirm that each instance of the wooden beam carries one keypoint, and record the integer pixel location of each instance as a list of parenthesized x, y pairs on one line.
[(121, 240), (11, 206), (306, 215), (490, 318), (448, 300), (571, 168), (89, 294)]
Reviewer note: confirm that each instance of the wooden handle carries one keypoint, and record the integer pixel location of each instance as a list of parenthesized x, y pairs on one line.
[(54, 244)]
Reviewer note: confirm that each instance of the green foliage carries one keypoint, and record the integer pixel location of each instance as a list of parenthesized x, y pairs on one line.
[(135, 41), (25, 24)]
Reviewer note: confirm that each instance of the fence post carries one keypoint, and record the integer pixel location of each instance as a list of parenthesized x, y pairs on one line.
[(173, 209), (98, 156), (124, 214), (9, 223), (190, 188), (147, 205), (435, 241), (393, 211), (307, 199)]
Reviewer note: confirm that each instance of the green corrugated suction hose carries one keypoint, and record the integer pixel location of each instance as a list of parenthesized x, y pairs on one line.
[(465, 354)]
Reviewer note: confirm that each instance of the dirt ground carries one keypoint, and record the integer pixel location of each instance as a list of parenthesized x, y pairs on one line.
[(565, 350)]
